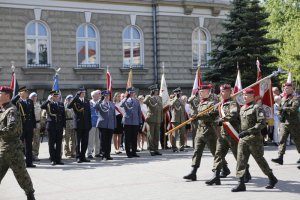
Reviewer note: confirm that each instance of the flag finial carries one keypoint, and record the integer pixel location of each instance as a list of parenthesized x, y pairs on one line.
[(13, 66), (107, 67), (163, 67), (57, 70)]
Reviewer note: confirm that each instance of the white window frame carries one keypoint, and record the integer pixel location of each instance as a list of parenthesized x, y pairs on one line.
[(131, 41), (36, 38), (200, 42), (86, 39)]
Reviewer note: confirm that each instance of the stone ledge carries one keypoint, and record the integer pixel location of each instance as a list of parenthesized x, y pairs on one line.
[(38, 70), (88, 70), (139, 71)]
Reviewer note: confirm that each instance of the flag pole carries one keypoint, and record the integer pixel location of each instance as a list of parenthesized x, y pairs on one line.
[(165, 115), (275, 73)]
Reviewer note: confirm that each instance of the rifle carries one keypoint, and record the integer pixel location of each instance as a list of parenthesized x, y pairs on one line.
[(275, 73)]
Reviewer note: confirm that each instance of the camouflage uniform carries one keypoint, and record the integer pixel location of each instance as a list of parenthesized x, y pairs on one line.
[(11, 155), (194, 102), (289, 122), (206, 132), (252, 121), (69, 133), (36, 132)]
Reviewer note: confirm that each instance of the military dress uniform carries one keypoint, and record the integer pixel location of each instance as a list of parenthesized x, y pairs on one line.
[(250, 142), (55, 124), (154, 119), (178, 116), (11, 155), (26, 109), (82, 124), (289, 125), (132, 120), (206, 134), (106, 123)]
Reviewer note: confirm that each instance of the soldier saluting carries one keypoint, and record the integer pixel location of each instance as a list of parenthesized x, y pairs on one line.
[(252, 121), (11, 155), (26, 109), (154, 118), (55, 123)]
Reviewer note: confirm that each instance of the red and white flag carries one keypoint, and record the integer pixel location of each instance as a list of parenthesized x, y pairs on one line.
[(258, 77), (238, 87), (197, 81), (163, 92), (109, 84), (289, 79), (14, 84), (129, 80)]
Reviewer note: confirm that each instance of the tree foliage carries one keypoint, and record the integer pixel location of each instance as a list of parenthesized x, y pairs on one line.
[(243, 41)]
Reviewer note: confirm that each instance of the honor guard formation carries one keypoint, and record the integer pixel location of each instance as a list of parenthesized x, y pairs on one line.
[(87, 128)]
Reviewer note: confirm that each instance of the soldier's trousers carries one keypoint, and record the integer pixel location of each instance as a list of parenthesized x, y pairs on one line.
[(55, 143), (194, 131), (253, 145), (70, 142), (205, 136), (179, 132), (14, 159), (224, 143), (153, 136), (285, 130), (36, 142)]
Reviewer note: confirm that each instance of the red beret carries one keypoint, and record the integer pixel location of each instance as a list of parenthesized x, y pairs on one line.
[(288, 84), (205, 86), (6, 89), (248, 91), (225, 87)]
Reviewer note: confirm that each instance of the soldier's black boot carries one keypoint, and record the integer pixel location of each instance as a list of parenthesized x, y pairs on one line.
[(272, 181), (192, 176), (215, 179), (278, 160), (225, 171), (30, 196), (298, 161), (248, 176), (240, 187)]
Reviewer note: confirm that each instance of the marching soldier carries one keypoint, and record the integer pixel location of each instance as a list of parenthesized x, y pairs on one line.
[(206, 132), (250, 142), (194, 102), (178, 116), (290, 121), (229, 121), (132, 121), (36, 132), (55, 124), (11, 155), (154, 119), (106, 123), (26, 109), (82, 123), (69, 134)]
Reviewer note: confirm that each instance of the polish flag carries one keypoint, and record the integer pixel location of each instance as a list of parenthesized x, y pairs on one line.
[(197, 81)]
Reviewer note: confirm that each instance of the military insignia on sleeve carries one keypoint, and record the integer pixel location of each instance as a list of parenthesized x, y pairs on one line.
[(261, 114), (12, 119)]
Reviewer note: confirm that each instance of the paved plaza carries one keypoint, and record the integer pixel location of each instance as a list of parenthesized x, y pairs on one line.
[(150, 178)]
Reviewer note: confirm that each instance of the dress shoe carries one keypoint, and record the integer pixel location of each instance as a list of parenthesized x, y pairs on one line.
[(85, 160), (152, 153), (157, 153), (90, 157), (78, 160), (53, 163), (272, 181), (135, 155), (60, 163), (30, 196), (30, 165), (108, 158), (175, 149)]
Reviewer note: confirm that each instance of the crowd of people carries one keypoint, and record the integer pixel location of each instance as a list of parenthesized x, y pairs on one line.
[(89, 127)]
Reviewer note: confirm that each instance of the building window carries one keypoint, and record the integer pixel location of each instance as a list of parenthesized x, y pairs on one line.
[(87, 46), (133, 47), (200, 47), (37, 44)]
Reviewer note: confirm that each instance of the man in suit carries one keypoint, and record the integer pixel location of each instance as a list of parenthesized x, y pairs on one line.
[(132, 120), (154, 118), (178, 116), (106, 123), (26, 109), (55, 123), (83, 123)]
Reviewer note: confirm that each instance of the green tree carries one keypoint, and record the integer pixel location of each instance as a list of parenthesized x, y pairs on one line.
[(285, 25), (243, 41)]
